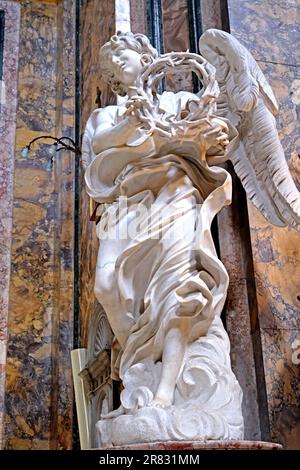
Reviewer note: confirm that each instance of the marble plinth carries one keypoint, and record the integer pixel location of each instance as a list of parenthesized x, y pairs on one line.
[(200, 445)]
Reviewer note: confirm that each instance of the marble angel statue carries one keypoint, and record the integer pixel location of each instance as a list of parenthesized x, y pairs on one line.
[(152, 164)]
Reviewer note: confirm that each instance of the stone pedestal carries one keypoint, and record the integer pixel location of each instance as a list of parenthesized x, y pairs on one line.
[(201, 445)]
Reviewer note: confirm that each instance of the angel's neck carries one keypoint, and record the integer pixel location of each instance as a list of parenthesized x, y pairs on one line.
[(132, 91)]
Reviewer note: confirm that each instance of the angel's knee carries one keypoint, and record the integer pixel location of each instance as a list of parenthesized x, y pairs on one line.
[(105, 285)]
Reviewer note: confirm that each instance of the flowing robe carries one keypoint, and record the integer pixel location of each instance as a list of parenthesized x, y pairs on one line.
[(164, 274), (168, 271)]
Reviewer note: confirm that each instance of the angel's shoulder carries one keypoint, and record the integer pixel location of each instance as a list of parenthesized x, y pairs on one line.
[(101, 116)]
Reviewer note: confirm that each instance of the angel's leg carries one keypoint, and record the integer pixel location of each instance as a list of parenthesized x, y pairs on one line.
[(173, 354)]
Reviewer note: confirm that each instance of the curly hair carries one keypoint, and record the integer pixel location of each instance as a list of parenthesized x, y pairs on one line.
[(136, 42)]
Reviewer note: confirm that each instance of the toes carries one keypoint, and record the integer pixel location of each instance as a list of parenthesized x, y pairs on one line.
[(160, 403)]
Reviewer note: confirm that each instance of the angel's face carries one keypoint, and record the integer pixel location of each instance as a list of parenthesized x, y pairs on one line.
[(126, 65)]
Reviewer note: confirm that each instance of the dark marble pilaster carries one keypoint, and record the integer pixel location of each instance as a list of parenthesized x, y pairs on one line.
[(97, 26), (234, 251), (211, 14), (175, 25), (176, 38), (138, 16), (64, 190)]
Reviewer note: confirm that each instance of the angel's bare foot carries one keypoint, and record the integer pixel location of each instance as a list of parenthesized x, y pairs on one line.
[(114, 413), (171, 362), (160, 403)]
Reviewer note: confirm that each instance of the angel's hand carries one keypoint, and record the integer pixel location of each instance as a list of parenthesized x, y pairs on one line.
[(137, 113), (138, 103)]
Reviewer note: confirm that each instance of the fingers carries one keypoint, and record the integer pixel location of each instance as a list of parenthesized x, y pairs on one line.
[(138, 102)]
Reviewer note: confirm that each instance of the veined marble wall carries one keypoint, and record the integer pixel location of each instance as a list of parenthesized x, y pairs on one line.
[(271, 30), (38, 406), (8, 103)]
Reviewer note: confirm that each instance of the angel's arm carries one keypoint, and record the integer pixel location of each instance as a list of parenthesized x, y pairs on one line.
[(108, 133)]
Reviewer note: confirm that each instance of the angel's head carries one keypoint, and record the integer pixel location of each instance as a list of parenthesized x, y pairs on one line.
[(123, 58)]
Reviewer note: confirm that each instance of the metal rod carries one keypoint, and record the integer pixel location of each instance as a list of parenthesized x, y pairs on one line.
[(59, 140)]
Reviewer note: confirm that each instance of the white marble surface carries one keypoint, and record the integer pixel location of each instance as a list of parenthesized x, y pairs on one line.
[(122, 9)]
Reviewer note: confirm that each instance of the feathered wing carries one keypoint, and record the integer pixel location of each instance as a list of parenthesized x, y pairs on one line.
[(247, 100)]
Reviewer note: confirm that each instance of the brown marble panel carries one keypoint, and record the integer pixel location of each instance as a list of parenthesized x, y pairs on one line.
[(97, 25), (277, 272), (176, 38), (38, 392), (269, 28), (138, 16), (8, 103), (175, 25), (211, 14), (283, 391), (276, 250), (233, 243), (285, 81)]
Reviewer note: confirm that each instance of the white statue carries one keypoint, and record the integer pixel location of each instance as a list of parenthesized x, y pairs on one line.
[(150, 162)]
